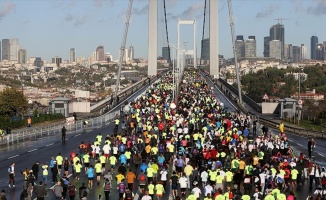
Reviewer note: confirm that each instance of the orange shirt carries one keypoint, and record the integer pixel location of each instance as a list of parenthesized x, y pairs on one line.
[(131, 177), (148, 148)]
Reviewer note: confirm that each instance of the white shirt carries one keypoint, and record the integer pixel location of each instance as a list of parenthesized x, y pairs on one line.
[(163, 175), (208, 190), (256, 195), (183, 182), (204, 176), (196, 191), (115, 150), (106, 149), (146, 197)]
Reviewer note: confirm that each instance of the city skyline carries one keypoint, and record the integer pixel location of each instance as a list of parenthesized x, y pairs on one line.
[(88, 24)]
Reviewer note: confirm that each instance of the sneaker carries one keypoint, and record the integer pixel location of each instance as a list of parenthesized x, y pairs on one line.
[(13, 186), (9, 185)]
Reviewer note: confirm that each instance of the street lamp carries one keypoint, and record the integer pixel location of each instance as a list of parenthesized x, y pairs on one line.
[(173, 70)]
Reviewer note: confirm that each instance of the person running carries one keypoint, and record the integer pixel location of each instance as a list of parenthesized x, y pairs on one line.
[(11, 171), (63, 133), (90, 176), (98, 171), (71, 191), (59, 160), (57, 190), (107, 188), (40, 191)]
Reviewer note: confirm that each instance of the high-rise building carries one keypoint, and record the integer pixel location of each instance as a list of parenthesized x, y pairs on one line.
[(0, 51), (240, 46), (320, 52), (205, 50), (57, 60), (296, 54), (131, 53), (313, 47), (275, 49), (288, 52), (14, 47), (22, 56), (72, 55), (100, 53), (276, 32), (108, 57), (166, 54), (250, 47), (303, 52), (5, 49), (266, 46), (38, 62), (126, 55)]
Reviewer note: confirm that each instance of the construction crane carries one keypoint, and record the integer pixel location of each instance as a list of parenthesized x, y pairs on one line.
[(280, 20), (234, 49), (123, 47)]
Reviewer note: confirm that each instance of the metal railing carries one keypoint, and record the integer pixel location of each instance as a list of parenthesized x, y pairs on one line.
[(31, 133)]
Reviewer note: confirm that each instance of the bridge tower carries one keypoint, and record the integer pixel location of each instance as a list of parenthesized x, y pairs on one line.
[(213, 35), (213, 39)]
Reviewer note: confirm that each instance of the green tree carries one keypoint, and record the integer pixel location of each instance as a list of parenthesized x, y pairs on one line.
[(12, 102)]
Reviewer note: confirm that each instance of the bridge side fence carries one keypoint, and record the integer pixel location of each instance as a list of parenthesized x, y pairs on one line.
[(288, 128), (100, 117)]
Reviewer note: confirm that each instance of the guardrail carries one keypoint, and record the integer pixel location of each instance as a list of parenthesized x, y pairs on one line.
[(125, 92), (53, 129), (289, 128)]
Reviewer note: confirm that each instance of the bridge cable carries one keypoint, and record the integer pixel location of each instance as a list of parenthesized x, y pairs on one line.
[(201, 52), (167, 32)]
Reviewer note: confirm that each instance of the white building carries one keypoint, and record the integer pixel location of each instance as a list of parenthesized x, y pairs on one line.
[(275, 50), (14, 47)]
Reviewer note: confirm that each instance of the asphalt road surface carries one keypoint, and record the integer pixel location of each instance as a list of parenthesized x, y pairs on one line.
[(27, 153)]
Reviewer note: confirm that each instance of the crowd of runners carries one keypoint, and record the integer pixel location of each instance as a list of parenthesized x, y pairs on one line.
[(192, 148)]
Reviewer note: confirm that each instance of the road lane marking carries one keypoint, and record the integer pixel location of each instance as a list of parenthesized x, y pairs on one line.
[(49, 144), (13, 156), (31, 150), (77, 135)]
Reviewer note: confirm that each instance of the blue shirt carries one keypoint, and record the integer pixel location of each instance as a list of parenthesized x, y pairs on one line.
[(51, 163), (123, 159), (246, 132), (90, 172), (161, 159), (143, 167)]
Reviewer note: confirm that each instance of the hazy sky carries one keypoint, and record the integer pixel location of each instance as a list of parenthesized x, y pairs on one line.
[(49, 28)]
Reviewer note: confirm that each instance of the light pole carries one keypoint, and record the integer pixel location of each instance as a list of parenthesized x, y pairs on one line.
[(173, 70)]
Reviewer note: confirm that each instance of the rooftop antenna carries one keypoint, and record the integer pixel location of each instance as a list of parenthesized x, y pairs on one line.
[(280, 20)]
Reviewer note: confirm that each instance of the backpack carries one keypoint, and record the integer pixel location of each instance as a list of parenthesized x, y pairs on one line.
[(71, 190), (128, 196), (9, 169), (107, 186), (279, 180), (65, 181), (142, 177), (260, 196), (121, 188)]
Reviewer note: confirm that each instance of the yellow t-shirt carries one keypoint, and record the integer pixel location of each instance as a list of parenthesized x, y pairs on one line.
[(113, 160), (229, 176), (159, 189), (150, 172), (219, 179), (151, 189), (98, 168), (59, 160), (86, 158), (120, 177)]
